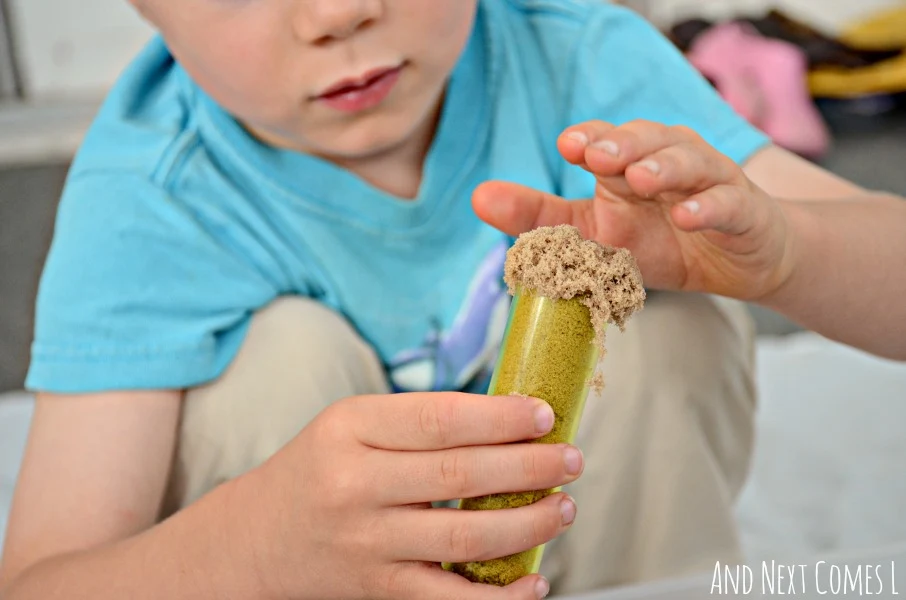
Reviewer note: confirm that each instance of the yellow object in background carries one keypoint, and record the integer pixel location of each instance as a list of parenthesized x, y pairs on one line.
[(887, 77), (883, 31)]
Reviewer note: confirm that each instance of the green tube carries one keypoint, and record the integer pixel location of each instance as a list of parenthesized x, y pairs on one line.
[(548, 352)]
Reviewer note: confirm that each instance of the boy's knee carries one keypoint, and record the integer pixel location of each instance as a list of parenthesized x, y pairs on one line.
[(293, 327), (703, 337), (667, 445), (690, 359), (298, 346), (297, 358), (687, 347)]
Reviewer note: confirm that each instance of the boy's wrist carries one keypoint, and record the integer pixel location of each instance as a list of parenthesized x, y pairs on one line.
[(250, 545), (798, 230)]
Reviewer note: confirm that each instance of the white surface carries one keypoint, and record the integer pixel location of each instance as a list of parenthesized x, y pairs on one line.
[(43, 132), (74, 47), (828, 472), (15, 414)]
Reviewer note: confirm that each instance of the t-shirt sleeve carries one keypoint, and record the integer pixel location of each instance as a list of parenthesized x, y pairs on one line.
[(137, 293), (625, 69)]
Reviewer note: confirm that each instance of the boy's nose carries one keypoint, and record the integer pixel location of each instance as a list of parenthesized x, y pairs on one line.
[(323, 21)]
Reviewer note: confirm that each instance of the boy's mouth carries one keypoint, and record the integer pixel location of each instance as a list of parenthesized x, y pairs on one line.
[(361, 93)]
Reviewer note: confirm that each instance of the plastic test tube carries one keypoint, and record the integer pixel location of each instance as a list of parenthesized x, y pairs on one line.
[(548, 352)]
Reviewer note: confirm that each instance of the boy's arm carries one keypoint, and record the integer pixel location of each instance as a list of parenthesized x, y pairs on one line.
[(92, 480), (848, 282), (782, 174)]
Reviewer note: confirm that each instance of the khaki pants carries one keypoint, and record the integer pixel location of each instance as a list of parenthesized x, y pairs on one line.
[(667, 444)]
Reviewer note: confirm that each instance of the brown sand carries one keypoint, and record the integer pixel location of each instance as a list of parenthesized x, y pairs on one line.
[(558, 263)]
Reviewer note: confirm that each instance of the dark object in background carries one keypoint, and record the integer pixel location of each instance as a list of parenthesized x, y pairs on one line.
[(28, 204), (9, 87), (820, 50), (684, 33), (882, 115)]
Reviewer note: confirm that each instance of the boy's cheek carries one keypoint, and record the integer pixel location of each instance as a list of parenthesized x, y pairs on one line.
[(438, 23), (443, 16), (242, 63)]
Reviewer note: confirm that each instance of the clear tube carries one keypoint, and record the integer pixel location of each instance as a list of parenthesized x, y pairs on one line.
[(548, 352)]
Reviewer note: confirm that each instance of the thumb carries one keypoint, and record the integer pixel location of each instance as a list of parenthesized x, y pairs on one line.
[(721, 208), (515, 209)]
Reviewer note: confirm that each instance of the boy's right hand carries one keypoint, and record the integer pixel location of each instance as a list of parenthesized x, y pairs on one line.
[(690, 215), (343, 511)]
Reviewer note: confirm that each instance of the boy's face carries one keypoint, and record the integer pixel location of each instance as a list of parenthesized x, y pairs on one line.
[(343, 79)]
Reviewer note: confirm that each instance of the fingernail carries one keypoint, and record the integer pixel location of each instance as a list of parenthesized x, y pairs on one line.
[(578, 136), (544, 418), (542, 588), (567, 511), (573, 459), (692, 206), (608, 146), (649, 165)]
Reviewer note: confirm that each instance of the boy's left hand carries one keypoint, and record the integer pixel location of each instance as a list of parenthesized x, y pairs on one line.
[(689, 214)]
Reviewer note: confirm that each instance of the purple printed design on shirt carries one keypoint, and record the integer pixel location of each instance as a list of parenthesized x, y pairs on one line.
[(454, 359)]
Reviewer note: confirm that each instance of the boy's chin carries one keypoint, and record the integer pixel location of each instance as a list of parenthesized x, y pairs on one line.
[(375, 137), (341, 145), (375, 146)]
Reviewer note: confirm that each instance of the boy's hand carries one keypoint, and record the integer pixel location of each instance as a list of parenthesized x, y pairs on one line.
[(689, 214), (343, 511)]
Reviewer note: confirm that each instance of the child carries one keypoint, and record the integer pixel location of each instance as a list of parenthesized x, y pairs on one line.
[(267, 231)]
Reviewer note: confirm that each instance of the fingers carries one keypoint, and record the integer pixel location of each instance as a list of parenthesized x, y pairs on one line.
[(685, 167), (611, 149), (456, 536), (575, 142), (419, 581), (439, 421), (418, 477), (645, 159), (515, 209), (721, 208)]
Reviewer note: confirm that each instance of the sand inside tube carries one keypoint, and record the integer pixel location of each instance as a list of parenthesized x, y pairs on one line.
[(558, 263)]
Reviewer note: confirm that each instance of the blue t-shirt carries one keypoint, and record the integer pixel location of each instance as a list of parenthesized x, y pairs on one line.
[(176, 226)]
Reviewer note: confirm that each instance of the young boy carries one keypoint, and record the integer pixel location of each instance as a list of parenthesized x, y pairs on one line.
[(268, 230)]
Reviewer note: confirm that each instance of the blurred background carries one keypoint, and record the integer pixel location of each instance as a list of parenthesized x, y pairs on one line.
[(828, 469)]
